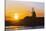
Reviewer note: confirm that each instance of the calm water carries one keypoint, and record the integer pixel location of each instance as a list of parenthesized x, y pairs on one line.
[(14, 28)]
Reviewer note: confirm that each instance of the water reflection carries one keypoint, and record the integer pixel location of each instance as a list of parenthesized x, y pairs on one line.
[(13, 28)]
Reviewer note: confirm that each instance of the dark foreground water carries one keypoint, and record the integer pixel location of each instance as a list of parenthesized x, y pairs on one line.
[(14, 28)]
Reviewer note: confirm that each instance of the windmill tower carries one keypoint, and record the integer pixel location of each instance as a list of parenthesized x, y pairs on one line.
[(33, 13)]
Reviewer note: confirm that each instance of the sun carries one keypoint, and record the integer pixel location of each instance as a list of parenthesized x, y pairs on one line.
[(16, 16)]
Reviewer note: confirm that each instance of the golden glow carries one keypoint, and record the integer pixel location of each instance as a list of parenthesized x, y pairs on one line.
[(19, 11), (16, 16)]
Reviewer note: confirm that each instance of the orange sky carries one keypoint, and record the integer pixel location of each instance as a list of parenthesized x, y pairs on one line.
[(22, 10)]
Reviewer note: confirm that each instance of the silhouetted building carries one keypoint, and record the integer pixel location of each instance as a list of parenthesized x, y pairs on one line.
[(33, 20), (33, 13), (29, 20)]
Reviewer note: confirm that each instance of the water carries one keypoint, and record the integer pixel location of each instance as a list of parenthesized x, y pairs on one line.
[(13, 28)]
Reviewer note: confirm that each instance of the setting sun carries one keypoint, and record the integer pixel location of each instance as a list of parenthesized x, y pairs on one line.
[(16, 16)]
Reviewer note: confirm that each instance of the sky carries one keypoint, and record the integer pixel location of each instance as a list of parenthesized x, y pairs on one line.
[(23, 8)]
